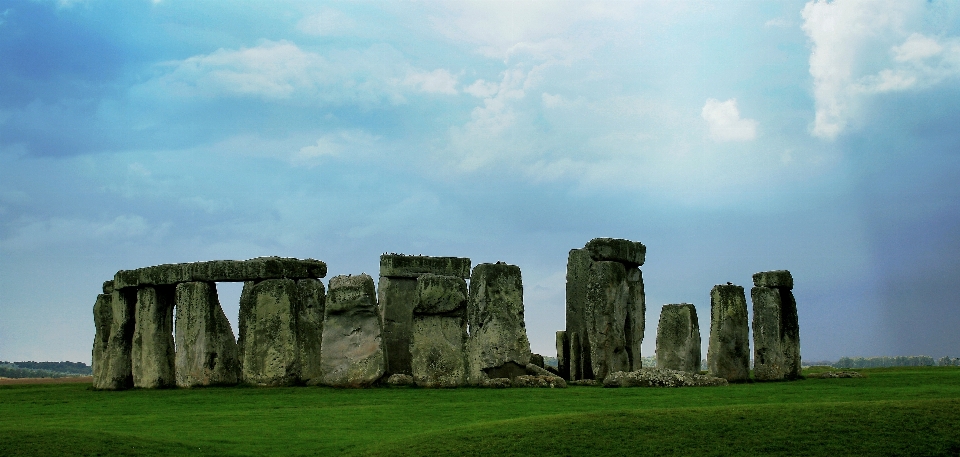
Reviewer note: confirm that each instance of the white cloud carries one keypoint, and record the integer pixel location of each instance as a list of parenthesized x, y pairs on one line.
[(438, 81), (868, 47), (328, 23), (333, 145), (482, 89), (725, 123)]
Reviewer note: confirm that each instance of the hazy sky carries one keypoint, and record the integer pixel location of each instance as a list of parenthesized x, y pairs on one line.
[(729, 137)]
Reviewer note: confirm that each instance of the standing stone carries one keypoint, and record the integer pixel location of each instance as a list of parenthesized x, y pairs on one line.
[(117, 370), (439, 332), (606, 316), (497, 346), (352, 349), (153, 345), (206, 349), (102, 320), (776, 331), (269, 351), (563, 354), (398, 296), (313, 299), (728, 354), (678, 338), (636, 317), (578, 271)]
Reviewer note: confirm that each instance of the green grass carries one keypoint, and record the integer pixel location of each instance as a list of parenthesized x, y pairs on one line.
[(906, 411)]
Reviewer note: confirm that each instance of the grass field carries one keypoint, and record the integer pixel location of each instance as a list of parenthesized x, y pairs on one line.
[(893, 411)]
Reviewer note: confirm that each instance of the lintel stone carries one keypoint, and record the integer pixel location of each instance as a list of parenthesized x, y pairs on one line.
[(259, 268), (630, 253), (776, 278), (412, 266)]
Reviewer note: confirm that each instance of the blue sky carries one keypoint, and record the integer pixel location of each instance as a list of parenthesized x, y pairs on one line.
[(729, 137)]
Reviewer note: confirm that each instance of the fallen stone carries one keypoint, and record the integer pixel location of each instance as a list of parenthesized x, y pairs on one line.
[(837, 374), (636, 318), (268, 346), (398, 380), (498, 334), (496, 383), (776, 278), (583, 382), (548, 381), (152, 352), (257, 269), (206, 349), (116, 372), (398, 297), (313, 298), (605, 317), (629, 253), (661, 377), (728, 353), (678, 338), (413, 266), (352, 350)]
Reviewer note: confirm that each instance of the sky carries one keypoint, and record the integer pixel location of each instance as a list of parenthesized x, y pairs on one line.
[(729, 137)]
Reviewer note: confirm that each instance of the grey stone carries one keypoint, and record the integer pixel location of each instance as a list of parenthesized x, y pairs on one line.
[(108, 287), (437, 351), (257, 269), (352, 350), (398, 297), (498, 335), (776, 334), (563, 354), (776, 278), (399, 380), (728, 353), (496, 383), (440, 294), (537, 359), (412, 266), (206, 348), (578, 272), (153, 345), (102, 321), (548, 381), (678, 338), (605, 318), (636, 317), (116, 371), (629, 253), (661, 377), (268, 346), (313, 298)]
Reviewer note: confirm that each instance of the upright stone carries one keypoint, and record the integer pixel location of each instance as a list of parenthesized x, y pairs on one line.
[(606, 317), (102, 320), (313, 298), (352, 349), (636, 317), (578, 272), (678, 338), (497, 346), (563, 354), (776, 330), (728, 354), (117, 370), (206, 349), (398, 296), (439, 332), (153, 345), (268, 346)]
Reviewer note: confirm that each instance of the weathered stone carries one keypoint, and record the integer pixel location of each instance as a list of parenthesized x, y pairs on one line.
[(578, 272), (153, 345), (728, 353), (437, 351), (776, 278), (636, 317), (678, 338), (498, 334), (440, 294), (412, 266), (352, 350), (496, 383), (563, 354), (548, 381), (537, 359), (629, 253), (399, 380), (206, 349), (605, 316), (661, 377), (102, 321), (108, 287), (837, 374), (398, 297), (268, 346), (116, 371), (776, 334), (257, 269), (313, 298)]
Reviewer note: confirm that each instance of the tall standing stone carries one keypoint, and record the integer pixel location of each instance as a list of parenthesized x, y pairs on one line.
[(636, 317), (206, 349), (102, 320), (563, 354), (268, 344), (578, 272), (728, 354), (678, 338), (776, 330), (497, 346), (117, 370), (352, 349), (153, 345), (606, 318), (313, 299), (439, 332)]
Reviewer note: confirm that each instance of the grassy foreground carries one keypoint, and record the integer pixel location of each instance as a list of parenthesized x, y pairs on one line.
[(905, 411)]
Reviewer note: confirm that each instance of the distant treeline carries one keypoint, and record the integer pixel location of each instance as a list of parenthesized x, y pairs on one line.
[(43, 369), (901, 361)]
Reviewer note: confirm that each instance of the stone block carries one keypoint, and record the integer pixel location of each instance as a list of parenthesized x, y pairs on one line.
[(398, 297), (257, 269), (636, 317), (352, 350), (605, 317), (498, 334), (437, 350), (206, 349), (563, 354), (412, 266), (728, 353), (108, 287), (578, 271), (678, 338), (440, 294), (313, 299), (116, 372), (629, 253), (102, 321), (776, 278), (153, 344), (776, 334), (268, 344)]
